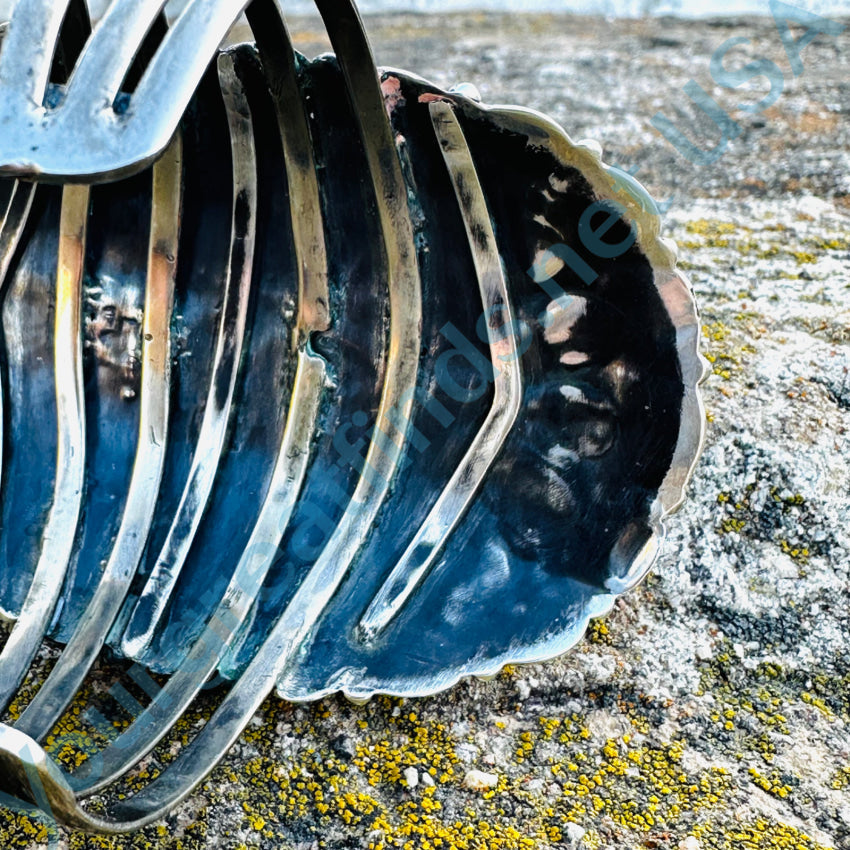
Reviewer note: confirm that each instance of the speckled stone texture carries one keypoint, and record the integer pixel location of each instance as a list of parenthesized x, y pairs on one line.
[(712, 708)]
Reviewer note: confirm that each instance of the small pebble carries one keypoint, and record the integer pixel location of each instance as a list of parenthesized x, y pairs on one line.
[(574, 833), (703, 651), (411, 777), (428, 780), (344, 747), (477, 780), (689, 843)]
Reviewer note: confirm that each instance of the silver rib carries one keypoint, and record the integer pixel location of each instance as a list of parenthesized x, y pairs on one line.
[(278, 56), (293, 457), (12, 225), (11, 229), (105, 60), (91, 632), (453, 501), (61, 528), (154, 599), (383, 456)]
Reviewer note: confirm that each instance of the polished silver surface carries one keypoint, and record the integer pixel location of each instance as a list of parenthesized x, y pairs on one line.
[(366, 394), (382, 456), (83, 131), (453, 501), (90, 635), (206, 653), (154, 599), (18, 206), (61, 528)]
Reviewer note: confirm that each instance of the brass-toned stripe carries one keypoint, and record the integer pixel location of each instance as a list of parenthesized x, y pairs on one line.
[(231, 334)]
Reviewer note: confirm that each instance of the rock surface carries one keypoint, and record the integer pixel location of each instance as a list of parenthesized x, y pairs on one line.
[(712, 708)]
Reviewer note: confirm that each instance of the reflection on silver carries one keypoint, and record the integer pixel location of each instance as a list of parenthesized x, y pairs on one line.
[(231, 334), (451, 505), (114, 333), (88, 639), (383, 456), (207, 651), (61, 529)]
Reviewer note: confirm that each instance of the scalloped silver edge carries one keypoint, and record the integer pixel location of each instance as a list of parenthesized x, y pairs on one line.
[(676, 291)]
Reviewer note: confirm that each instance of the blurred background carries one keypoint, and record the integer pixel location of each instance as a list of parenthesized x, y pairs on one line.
[(618, 8)]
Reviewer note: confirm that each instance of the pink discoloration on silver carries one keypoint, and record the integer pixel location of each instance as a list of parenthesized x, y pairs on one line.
[(393, 98), (430, 97)]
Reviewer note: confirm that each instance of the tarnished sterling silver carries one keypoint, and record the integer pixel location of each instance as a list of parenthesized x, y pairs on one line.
[(314, 378), (87, 129)]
